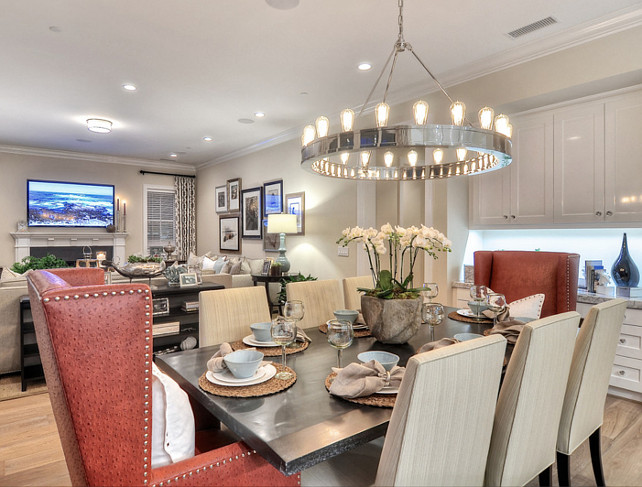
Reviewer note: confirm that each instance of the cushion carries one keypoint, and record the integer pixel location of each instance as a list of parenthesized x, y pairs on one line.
[(173, 428), (194, 260), (529, 307), (207, 264), (9, 276), (219, 263), (235, 267), (256, 266), (245, 266)]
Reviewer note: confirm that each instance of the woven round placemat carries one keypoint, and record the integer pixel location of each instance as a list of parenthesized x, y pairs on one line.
[(376, 400), (357, 334), (453, 315), (266, 388), (296, 347)]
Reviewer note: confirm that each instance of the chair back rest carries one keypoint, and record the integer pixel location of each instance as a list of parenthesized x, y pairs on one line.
[(588, 380), (352, 297), (95, 344), (225, 315), (440, 427), (530, 401), (518, 274), (320, 300), (80, 276)]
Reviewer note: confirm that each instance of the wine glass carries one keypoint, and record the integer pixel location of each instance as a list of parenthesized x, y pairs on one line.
[(340, 335), (496, 303), (433, 314), (283, 332), (294, 310), (429, 290), (478, 294)]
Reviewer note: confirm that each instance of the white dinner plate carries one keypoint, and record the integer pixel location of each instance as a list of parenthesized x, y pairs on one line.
[(227, 376), (270, 371), (469, 314), (253, 342), (389, 390)]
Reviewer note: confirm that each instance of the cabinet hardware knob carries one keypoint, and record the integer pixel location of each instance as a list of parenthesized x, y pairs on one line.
[(513, 217), (622, 340), (505, 217), (598, 213), (620, 372), (609, 213)]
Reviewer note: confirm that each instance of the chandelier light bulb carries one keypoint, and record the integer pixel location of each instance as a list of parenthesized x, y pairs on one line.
[(388, 158), (509, 130), (309, 134), (438, 156), (461, 154), (486, 116), (381, 114), (501, 124), (458, 113), (344, 157), (347, 120), (420, 111), (323, 126), (365, 158), (99, 125), (412, 158)]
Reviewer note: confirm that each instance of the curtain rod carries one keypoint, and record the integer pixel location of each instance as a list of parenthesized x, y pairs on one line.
[(168, 174)]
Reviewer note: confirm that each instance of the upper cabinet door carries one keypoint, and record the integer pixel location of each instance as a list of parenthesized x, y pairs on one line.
[(490, 197), (623, 152), (579, 164), (532, 170)]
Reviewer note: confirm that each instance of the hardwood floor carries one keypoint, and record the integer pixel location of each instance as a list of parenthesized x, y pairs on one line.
[(31, 454)]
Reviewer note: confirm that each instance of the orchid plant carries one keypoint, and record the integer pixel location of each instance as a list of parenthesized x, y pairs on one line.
[(402, 246)]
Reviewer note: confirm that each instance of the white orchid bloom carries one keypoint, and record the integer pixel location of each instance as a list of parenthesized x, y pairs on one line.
[(387, 229), (380, 249)]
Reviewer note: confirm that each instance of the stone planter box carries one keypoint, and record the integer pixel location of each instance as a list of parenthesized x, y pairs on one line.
[(392, 320)]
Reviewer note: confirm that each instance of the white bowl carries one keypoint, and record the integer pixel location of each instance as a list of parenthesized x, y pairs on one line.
[(387, 359), (262, 331), (462, 337), (346, 315), (243, 363)]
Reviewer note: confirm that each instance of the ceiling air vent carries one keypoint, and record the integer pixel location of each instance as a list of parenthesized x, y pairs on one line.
[(527, 29)]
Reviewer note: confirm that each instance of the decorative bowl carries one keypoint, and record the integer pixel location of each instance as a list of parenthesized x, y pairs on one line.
[(477, 307), (145, 270), (262, 331), (346, 315), (243, 363), (387, 359), (173, 274)]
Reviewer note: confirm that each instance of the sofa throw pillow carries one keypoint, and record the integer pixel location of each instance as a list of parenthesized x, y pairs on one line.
[(218, 264), (194, 260), (173, 428), (235, 267), (529, 307), (245, 266), (256, 266), (207, 264)]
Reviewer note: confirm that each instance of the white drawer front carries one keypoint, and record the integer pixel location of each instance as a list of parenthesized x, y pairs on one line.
[(630, 342), (633, 316), (627, 374)]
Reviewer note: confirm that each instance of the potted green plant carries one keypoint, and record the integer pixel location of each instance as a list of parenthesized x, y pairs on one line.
[(49, 261), (392, 308)]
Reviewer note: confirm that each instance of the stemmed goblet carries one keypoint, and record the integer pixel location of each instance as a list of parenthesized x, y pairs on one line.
[(433, 314), (294, 310), (340, 335), (496, 303), (283, 332), (478, 294), (429, 290)]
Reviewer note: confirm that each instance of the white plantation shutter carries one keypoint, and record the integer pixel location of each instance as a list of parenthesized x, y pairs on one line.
[(160, 219)]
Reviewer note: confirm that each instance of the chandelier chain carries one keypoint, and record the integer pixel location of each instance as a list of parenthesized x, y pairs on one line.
[(400, 20)]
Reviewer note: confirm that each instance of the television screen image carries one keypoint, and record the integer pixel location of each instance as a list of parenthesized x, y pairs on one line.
[(61, 204)]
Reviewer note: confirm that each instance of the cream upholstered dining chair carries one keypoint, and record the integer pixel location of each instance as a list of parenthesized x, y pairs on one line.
[(530, 402), (587, 386), (351, 296), (225, 315), (320, 299)]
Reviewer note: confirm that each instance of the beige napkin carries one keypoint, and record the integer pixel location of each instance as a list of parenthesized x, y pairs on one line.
[(302, 336), (360, 380), (217, 364), (503, 316), (509, 328), (444, 342)]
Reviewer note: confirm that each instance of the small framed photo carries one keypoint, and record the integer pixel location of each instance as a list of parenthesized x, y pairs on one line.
[(295, 205), (266, 267), (251, 220), (229, 234), (160, 307), (271, 241), (220, 193), (188, 279), (234, 194), (273, 197)]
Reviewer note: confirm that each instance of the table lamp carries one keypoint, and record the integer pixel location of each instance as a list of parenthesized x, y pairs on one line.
[(282, 223)]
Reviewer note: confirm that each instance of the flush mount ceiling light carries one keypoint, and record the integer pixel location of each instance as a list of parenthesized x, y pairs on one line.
[(99, 125), (364, 66), (407, 152), (129, 87), (207, 138), (259, 114)]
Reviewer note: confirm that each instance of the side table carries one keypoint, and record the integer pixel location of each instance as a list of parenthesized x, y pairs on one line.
[(266, 280)]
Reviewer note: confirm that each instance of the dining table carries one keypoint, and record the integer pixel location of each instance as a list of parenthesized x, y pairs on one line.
[(303, 425)]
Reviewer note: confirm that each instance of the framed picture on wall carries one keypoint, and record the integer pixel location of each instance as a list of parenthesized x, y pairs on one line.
[(220, 194), (273, 197), (229, 234), (271, 241), (234, 194), (251, 214), (295, 205)]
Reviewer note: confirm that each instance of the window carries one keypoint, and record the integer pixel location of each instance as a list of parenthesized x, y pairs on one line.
[(159, 218)]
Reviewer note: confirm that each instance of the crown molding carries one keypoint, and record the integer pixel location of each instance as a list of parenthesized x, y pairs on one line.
[(84, 156)]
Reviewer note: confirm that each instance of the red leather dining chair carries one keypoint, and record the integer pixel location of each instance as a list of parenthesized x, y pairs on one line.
[(96, 347), (518, 274)]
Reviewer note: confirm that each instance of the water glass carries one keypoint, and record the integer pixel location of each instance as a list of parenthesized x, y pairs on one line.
[(283, 332), (496, 303), (294, 310), (340, 336), (433, 314), (479, 294), (429, 290)]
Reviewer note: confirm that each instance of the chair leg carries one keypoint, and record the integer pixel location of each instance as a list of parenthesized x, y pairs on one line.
[(546, 477), (596, 457), (563, 469)]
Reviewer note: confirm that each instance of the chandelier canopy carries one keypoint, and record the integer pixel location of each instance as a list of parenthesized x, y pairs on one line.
[(407, 152)]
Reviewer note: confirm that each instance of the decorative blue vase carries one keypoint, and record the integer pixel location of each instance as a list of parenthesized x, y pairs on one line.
[(624, 271)]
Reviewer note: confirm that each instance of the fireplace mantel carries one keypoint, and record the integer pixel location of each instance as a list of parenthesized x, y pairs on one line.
[(69, 238)]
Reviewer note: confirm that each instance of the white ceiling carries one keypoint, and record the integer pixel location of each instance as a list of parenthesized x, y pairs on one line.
[(200, 66)]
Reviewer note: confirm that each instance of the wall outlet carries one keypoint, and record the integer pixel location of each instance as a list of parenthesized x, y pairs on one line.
[(342, 251)]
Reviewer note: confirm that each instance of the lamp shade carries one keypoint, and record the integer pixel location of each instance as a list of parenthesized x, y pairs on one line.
[(281, 223)]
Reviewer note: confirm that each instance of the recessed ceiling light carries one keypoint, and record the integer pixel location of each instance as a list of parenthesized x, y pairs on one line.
[(365, 66), (54, 28), (173, 155), (207, 139), (259, 114), (282, 4), (245, 120), (129, 87), (99, 125)]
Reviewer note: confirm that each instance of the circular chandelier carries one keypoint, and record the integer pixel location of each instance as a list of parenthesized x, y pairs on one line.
[(407, 152)]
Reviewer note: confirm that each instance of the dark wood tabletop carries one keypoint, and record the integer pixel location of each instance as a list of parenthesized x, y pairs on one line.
[(303, 425)]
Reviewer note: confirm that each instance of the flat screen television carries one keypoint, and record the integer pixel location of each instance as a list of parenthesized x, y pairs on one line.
[(66, 204)]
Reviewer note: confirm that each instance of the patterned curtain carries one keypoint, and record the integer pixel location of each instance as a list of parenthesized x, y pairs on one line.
[(185, 216)]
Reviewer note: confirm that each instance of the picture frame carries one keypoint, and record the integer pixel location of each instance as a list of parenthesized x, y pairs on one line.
[(251, 213), (273, 197), (271, 241), (220, 198), (267, 263), (234, 194), (188, 279), (295, 205), (228, 231), (160, 307)]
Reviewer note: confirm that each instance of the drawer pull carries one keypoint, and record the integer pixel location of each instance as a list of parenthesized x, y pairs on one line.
[(622, 341), (621, 372)]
